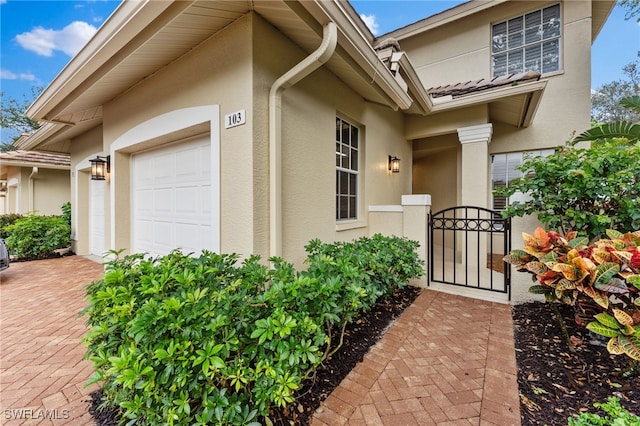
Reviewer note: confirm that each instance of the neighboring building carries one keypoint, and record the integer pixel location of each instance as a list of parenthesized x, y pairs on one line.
[(31, 181), (254, 127)]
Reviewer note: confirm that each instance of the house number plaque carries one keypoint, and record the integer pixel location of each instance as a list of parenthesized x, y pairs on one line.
[(234, 119)]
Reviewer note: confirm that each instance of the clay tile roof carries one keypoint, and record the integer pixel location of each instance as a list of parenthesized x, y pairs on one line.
[(51, 158), (474, 86)]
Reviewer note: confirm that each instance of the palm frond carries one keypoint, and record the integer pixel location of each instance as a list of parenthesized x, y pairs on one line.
[(619, 129), (631, 102)]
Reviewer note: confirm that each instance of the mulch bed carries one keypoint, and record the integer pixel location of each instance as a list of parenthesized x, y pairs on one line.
[(41, 257), (557, 382)]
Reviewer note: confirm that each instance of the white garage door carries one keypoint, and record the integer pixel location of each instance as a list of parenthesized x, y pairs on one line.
[(172, 202), (96, 217)]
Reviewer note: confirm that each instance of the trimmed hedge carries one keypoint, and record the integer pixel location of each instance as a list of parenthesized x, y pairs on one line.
[(37, 236), (8, 219), (203, 340)]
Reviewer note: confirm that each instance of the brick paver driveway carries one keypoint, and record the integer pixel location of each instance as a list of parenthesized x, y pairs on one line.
[(42, 373)]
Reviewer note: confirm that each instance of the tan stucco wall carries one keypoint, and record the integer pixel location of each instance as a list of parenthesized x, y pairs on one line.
[(216, 73), (309, 110), (43, 194), (436, 173), (461, 51), (51, 189), (236, 69)]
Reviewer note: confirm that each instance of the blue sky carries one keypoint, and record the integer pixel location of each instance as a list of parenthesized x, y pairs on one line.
[(38, 38)]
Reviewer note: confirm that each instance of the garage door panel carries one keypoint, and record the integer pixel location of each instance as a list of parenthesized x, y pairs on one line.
[(205, 198), (174, 197), (188, 236), (163, 202), (188, 201), (164, 234)]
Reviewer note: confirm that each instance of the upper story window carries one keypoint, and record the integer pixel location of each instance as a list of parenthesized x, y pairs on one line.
[(529, 42), (347, 170)]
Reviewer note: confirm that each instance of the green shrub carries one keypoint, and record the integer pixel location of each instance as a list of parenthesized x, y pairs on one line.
[(601, 279), (616, 415), (66, 212), (37, 236), (185, 340), (7, 219)]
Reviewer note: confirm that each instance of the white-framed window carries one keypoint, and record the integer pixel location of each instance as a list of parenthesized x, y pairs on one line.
[(347, 169), (503, 171), (529, 42)]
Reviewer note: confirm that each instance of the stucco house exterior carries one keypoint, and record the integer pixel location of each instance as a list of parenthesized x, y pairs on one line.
[(254, 127), (37, 182)]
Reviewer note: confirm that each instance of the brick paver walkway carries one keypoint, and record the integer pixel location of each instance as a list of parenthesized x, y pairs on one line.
[(448, 360), (42, 373)]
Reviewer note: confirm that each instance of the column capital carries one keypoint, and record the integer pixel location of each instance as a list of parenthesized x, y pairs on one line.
[(479, 133)]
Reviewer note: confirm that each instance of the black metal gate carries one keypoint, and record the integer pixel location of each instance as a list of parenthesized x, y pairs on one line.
[(466, 246)]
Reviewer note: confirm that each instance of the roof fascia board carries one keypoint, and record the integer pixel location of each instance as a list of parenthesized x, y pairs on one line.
[(44, 132), (455, 13), (412, 78), (599, 21), (491, 95), (14, 163), (130, 17), (355, 44)]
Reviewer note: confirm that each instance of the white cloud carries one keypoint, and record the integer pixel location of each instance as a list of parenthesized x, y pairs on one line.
[(8, 75), (372, 22), (69, 40)]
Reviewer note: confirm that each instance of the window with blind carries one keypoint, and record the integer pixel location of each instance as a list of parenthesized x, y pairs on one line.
[(528, 42), (347, 170), (503, 171)]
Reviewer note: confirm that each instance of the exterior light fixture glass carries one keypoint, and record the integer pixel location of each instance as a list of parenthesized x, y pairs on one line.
[(100, 166), (3, 189), (394, 164)]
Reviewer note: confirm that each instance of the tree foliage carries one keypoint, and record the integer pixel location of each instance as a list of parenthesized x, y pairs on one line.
[(13, 120), (632, 6), (585, 189), (606, 105), (588, 190)]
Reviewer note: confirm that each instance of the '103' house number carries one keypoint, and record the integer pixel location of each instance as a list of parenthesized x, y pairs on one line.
[(235, 119)]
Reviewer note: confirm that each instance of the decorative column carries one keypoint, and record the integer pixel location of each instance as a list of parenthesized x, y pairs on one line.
[(475, 182), (475, 187)]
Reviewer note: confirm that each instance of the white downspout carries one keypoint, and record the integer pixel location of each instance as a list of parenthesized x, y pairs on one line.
[(309, 64), (34, 171)]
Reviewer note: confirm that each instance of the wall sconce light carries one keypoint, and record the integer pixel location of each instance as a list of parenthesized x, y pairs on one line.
[(394, 164), (3, 189), (100, 166)]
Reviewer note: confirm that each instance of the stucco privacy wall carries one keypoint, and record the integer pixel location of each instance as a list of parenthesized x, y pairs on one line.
[(50, 191), (309, 111), (217, 73), (461, 51)]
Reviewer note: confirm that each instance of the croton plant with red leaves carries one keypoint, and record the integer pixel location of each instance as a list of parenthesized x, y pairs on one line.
[(602, 279)]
